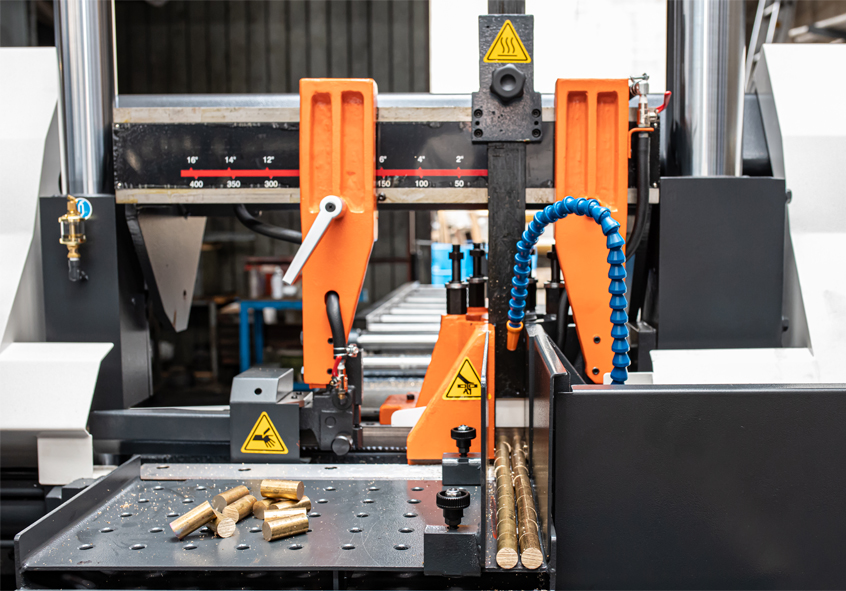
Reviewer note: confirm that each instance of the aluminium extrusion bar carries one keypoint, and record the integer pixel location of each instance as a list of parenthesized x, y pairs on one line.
[(285, 108)]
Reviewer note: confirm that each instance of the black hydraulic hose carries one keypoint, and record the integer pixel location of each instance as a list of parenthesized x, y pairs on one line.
[(336, 323), (642, 206), (275, 232)]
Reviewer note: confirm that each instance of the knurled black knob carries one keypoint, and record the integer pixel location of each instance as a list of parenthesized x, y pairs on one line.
[(477, 254), (463, 436), (453, 502), (456, 255)]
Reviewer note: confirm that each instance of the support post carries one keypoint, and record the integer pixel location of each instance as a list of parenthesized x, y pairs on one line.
[(507, 207)]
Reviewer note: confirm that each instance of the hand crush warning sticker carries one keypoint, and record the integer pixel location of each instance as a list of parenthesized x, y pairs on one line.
[(507, 47), (264, 439), (466, 384)]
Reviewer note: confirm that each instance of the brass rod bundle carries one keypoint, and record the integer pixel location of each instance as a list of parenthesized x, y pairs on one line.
[(240, 508), (527, 517), (506, 524), (282, 489), (227, 497)]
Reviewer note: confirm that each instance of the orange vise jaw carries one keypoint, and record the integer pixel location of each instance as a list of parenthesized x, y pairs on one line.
[(591, 160), (457, 394), (337, 157)]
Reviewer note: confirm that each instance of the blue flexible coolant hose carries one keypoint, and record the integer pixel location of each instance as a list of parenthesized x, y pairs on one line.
[(616, 258)]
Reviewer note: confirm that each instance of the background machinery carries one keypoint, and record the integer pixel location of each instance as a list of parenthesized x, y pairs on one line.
[(668, 407)]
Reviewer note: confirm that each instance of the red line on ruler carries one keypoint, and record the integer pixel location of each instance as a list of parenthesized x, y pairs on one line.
[(421, 172), (267, 172), (382, 172)]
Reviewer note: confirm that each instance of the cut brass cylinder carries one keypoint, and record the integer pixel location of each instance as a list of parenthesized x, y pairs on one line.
[(223, 526), (506, 525), (274, 514), (193, 520), (303, 503), (285, 527), (282, 489), (259, 507), (227, 497), (240, 508)]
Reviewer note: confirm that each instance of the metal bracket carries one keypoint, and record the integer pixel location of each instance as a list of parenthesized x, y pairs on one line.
[(506, 108)]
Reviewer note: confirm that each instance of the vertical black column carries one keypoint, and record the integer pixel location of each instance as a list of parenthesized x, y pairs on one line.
[(506, 6), (508, 123), (507, 207)]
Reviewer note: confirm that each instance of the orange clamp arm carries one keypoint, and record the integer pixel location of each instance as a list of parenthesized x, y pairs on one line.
[(337, 157)]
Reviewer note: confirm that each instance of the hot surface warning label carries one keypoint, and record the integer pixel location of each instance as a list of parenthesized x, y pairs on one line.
[(507, 47)]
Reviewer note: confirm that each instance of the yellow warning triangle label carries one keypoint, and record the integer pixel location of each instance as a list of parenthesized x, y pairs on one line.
[(507, 47), (264, 439), (466, 384)]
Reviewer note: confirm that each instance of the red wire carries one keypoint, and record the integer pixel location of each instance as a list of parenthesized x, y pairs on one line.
[(337, 364)]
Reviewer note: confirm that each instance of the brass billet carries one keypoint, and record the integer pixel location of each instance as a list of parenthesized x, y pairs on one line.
[(527, 508), (505, 488), (240, 508), (529, 543), (282, 528), (506, 524), (304, 503), (523, 510), (524, 495), (532, 557), (273, 514), (223, 526), (502, 441), (505, 503), (504, 520), (282, 489), (193, 520), (506, 557), (227, 497), (516, 443), (259, 507)]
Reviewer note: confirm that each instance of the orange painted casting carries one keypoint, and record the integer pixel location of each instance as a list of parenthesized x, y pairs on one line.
[(591, 160), (460, 336), (337, 157), (393, 403)]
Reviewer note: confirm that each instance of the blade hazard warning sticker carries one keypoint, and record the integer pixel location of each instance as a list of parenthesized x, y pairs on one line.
[(466, 385), (507, 47), (264, 439)]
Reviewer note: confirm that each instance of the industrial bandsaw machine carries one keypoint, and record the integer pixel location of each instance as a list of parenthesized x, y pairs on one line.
[(619, 482)]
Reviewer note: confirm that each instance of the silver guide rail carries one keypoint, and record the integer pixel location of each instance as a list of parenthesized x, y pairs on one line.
[(290, 471)]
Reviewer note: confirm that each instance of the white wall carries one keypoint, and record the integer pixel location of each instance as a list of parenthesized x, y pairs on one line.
[(573, 39)]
